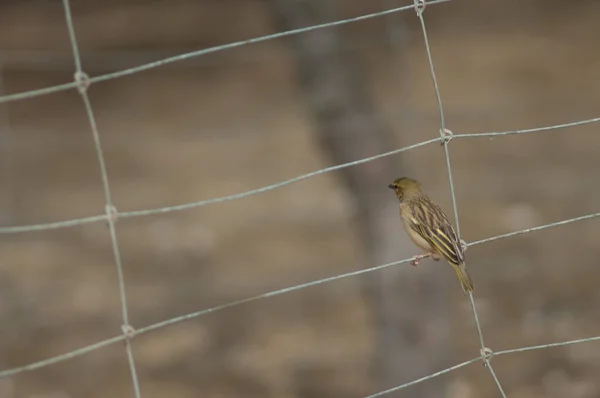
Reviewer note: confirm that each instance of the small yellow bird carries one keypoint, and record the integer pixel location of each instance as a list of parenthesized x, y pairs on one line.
[(428, 227)]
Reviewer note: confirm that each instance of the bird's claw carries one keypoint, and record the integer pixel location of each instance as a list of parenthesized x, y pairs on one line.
[(417, 259)]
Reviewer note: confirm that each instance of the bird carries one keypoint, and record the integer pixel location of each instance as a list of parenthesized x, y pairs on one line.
[(429, 228)]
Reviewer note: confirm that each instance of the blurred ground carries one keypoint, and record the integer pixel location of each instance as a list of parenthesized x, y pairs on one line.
[(234, 121)]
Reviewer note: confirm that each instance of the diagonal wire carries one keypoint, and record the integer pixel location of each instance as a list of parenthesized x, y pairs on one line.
[(168, 209), (83, 83), (549, 345), (182, 57), (52, 225), (182, 318), (447, 135), (273, 186), (533, 229), (526, 131), (422, 379)]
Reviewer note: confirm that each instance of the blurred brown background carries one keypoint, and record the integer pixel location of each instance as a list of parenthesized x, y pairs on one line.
[(237, 120)]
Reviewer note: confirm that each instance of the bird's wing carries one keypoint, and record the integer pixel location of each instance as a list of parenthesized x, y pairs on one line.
[(430, 222)]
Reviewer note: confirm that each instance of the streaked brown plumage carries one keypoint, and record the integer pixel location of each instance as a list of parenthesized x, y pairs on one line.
[(429, 228)]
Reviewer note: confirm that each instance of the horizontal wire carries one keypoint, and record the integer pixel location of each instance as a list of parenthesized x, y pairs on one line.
[(182, 57), (273, 293), (186, 206), (63, 357), (549, 345), (37, 93), (179, 319), (172, 321), (167, 209), (422, 379), (52, 225), (533, 229), (525, 131)]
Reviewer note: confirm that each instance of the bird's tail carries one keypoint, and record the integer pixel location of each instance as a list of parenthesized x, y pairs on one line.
[(463, 277)]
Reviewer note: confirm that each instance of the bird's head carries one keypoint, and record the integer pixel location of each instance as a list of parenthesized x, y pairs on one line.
[(405, 187)]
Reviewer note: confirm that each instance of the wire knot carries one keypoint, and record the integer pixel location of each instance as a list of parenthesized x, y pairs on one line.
[(464, 245), (420, 6), (486, 355), (83, 81), (128, 331), (447, 136), (112, 213)]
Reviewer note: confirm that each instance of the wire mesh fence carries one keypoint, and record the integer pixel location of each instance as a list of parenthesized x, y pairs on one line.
[(82, 82)]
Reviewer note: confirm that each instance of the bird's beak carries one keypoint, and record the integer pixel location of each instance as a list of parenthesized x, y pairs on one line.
[(391, 186)]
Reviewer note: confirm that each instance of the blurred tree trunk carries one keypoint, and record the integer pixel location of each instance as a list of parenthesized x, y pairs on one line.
[(6, 156), (407, 304)]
